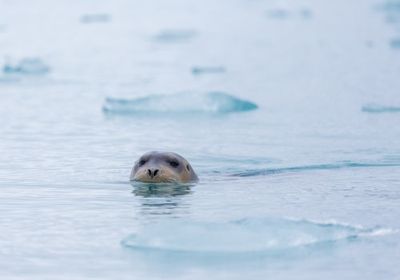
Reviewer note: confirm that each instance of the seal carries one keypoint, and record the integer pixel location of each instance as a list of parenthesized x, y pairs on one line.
[(163, 167)]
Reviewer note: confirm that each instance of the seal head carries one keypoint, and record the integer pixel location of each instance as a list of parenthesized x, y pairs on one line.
[(163, 167)]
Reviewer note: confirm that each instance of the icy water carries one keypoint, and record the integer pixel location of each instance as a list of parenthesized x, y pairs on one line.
[(287, 110)]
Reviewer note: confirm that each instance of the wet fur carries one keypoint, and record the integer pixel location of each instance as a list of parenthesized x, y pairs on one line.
[(184, 173)]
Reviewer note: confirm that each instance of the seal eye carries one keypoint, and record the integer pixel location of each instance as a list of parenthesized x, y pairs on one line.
[(142, 162), (174, 163)]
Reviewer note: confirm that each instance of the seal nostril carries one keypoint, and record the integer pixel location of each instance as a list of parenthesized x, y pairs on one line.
[(163, 167)]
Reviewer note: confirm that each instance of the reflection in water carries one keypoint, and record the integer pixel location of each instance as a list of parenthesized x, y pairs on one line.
[(160, 190), (161, 199)]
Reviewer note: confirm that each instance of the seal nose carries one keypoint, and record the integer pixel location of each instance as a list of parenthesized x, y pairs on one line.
[(152, 172)]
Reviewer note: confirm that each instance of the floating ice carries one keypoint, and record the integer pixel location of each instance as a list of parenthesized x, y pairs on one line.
[(183, 103), (93, 18), (207, 70), (306, 13), (374, 108), (390, 6), (395, 43), (391, 9), (281, 13), (31, 66), (175, 35), (278, 14), (243, 236)]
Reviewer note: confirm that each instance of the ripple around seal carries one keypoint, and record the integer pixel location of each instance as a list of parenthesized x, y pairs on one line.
[(316, 167), (183, 103), (375, 108), (246, 236)]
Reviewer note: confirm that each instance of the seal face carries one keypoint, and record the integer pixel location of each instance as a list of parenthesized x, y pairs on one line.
[(163, 167)]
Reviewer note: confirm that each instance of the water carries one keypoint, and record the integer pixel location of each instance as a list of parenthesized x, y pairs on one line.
[(312, 173)]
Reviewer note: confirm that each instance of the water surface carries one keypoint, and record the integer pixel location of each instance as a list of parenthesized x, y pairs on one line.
[(313, 161)]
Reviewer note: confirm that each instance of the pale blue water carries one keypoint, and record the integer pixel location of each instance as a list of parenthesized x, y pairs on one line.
[(287, 110)]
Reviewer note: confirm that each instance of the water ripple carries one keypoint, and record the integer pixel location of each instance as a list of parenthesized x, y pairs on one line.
[(316, 167)]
